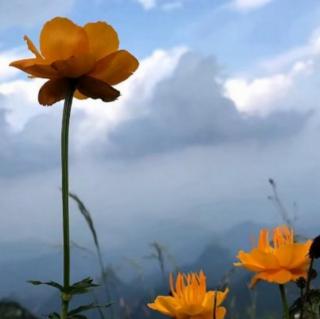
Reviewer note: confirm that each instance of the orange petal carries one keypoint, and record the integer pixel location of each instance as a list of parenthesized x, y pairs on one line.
[(36, 68), (75, 66), (60, 39), (97, 89), (208, 301), (164, 304), (25, 63), (285, 254), (116, 67), (32, 47), (280, 276), (190, 309), (297, 273), (103, 39), (53, 91), (220, 313), (263, 243), (301, 254), (265, 260), (282, 235), (221, 296), (254, 260), (293, 255), (79, 95)]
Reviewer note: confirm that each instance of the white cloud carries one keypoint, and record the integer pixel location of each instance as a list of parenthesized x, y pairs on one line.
[(138, 88), (166, 5), (6, 57), (262, 94), (283, 76), (20, 101), (141, 187), (246, 5), (184, 112), (21, 95), (309, 50), (148, 4)]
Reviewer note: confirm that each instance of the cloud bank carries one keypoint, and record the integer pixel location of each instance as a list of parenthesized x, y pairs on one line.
[(175, 151)]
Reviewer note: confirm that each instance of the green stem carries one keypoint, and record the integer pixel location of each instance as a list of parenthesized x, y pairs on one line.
[(306, 295), (65, 198), (284, 302), (104, 279), (309, 276)]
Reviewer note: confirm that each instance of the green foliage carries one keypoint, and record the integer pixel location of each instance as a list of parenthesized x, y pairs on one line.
[(104, 272), (12, 310), (80, 287), (48, 283), (91, 306), (310, 305), (76, 313), (87, 216)]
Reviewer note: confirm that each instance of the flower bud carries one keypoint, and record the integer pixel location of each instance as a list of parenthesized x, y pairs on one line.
[(313, 274), (314, 251), (301, 283)]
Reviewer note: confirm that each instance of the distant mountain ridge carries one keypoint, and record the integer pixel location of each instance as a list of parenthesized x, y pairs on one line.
[(42, 262)]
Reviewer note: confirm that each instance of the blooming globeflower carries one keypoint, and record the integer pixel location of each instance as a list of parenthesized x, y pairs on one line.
[(85, 59), (190, 299), (279, 262)]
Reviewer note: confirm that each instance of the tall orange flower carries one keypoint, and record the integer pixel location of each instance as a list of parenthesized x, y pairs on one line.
[(81, 62), (279, 262), (86, 59), (190, 299)]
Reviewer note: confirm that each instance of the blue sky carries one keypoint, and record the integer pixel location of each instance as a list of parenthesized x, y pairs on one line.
[(226, 92), (237, 36)]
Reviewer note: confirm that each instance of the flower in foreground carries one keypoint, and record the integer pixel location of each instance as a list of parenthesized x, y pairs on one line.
[(279, 262), (86, 59), (190, 299)]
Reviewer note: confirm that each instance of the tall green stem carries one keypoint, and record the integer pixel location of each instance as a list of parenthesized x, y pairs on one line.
[(309, 278), (284, 302), (306, 295), (65, 199)]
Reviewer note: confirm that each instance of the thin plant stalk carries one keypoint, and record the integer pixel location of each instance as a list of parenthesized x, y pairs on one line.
[(87, 216), (309, 276), (284, 301), (305, 297), (65, 199), (282, 210)]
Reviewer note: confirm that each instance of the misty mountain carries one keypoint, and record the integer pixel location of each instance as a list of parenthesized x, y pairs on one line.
[(138, 282)]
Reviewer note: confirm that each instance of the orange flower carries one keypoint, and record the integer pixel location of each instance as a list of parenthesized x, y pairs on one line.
[(86, 59), (190, 299), (284, 261)]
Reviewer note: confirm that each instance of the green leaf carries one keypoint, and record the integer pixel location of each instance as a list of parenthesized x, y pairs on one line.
[(311, 307), (87, 216), (82, 286), (87, 307), (48, 283)]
